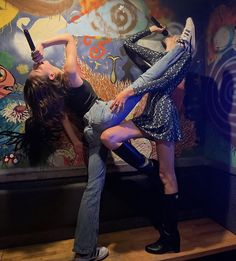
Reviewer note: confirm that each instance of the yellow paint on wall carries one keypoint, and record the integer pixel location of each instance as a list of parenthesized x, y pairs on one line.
[(7, 13), (88, 5), (42, 7), (22, 68), (44, 28)]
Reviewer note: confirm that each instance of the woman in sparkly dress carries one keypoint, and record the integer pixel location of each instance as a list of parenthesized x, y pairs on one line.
[(159, 122)]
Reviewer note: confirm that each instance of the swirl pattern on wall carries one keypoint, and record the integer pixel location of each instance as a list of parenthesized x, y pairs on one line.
[(221, 98), (122, 18)]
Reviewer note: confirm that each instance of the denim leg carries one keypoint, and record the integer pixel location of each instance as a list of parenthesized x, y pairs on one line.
[(101, 117), (160, 66), (87, 227)]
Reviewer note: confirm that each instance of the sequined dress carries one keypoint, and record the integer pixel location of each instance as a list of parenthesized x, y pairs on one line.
[(159, 120)]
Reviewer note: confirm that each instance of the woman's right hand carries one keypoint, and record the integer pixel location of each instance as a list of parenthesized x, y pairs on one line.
[(78, 147), (37, 55)]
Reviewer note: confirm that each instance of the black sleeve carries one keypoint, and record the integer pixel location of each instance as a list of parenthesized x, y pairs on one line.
[(143, 57)]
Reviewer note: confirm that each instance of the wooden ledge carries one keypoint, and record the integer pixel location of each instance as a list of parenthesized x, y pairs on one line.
[(200, 237), (44, 173)]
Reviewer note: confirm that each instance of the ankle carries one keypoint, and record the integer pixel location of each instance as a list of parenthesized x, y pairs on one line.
[(183, 43), (146, 163)]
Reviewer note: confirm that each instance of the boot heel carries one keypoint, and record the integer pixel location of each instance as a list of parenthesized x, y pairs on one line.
[(176, 249), (176, 245)]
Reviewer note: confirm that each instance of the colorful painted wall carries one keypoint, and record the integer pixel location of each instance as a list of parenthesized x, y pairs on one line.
[(100, 27), (220, 83)]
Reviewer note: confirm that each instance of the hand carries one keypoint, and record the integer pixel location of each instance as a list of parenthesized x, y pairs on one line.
[(154, 28), (37, 55), (120, 100), (78, 148)]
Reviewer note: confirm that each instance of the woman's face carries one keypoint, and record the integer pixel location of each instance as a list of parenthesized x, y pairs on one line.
[(44, 68)]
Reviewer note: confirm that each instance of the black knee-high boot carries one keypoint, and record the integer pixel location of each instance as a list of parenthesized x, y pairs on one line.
[(169, 240), (137, 160)]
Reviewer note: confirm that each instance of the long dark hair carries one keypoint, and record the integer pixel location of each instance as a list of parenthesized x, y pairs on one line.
[(45, 98)]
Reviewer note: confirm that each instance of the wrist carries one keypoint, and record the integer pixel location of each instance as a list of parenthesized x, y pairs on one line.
[(151, 29), (76, 142), (129, 91)]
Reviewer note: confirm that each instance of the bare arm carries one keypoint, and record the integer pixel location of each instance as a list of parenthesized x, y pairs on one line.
[(69, 129), (71, 67)]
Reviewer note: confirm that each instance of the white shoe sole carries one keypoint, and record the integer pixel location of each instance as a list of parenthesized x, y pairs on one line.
[(103, 253)]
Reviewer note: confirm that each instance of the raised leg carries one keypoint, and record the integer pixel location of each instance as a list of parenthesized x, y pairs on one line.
[(158, 69), (115, 139)]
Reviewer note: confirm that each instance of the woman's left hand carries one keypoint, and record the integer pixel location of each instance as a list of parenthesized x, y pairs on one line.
[(120, 100), (154, 28)]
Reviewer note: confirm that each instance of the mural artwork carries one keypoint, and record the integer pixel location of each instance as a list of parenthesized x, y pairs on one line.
[(220, 85), (100, 27)]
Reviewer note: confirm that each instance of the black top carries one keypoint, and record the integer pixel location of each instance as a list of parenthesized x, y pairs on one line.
[(79, 100)]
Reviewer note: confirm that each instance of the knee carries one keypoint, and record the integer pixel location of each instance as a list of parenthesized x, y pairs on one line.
[(107, 138)]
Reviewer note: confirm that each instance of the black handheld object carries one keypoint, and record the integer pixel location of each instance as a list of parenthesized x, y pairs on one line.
[(29, 40), (155, 22)]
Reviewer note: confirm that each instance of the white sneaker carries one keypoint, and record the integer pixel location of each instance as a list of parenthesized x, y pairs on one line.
[(99, 254), (188, 34)]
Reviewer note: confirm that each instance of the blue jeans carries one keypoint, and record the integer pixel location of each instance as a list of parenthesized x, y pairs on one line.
[(159, 68), (97, 119)]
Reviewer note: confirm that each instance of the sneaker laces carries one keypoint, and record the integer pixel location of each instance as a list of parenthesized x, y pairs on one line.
[(185, 43)]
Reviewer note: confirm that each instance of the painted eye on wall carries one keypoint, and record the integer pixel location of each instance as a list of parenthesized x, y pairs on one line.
[(3, 74)]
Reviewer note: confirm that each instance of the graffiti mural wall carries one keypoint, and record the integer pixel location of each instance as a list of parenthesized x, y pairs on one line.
[(220, 83), (100, 27)]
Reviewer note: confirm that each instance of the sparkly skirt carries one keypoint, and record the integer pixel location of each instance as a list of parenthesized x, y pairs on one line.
[(160, 120)]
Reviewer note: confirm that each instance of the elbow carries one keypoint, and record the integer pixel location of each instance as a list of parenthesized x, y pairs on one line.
[(126, 44), (69, 35), (69, 38), (127, 48)]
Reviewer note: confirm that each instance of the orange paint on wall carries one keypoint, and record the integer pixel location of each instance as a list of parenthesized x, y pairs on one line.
[(89, 5), (6, 80)]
